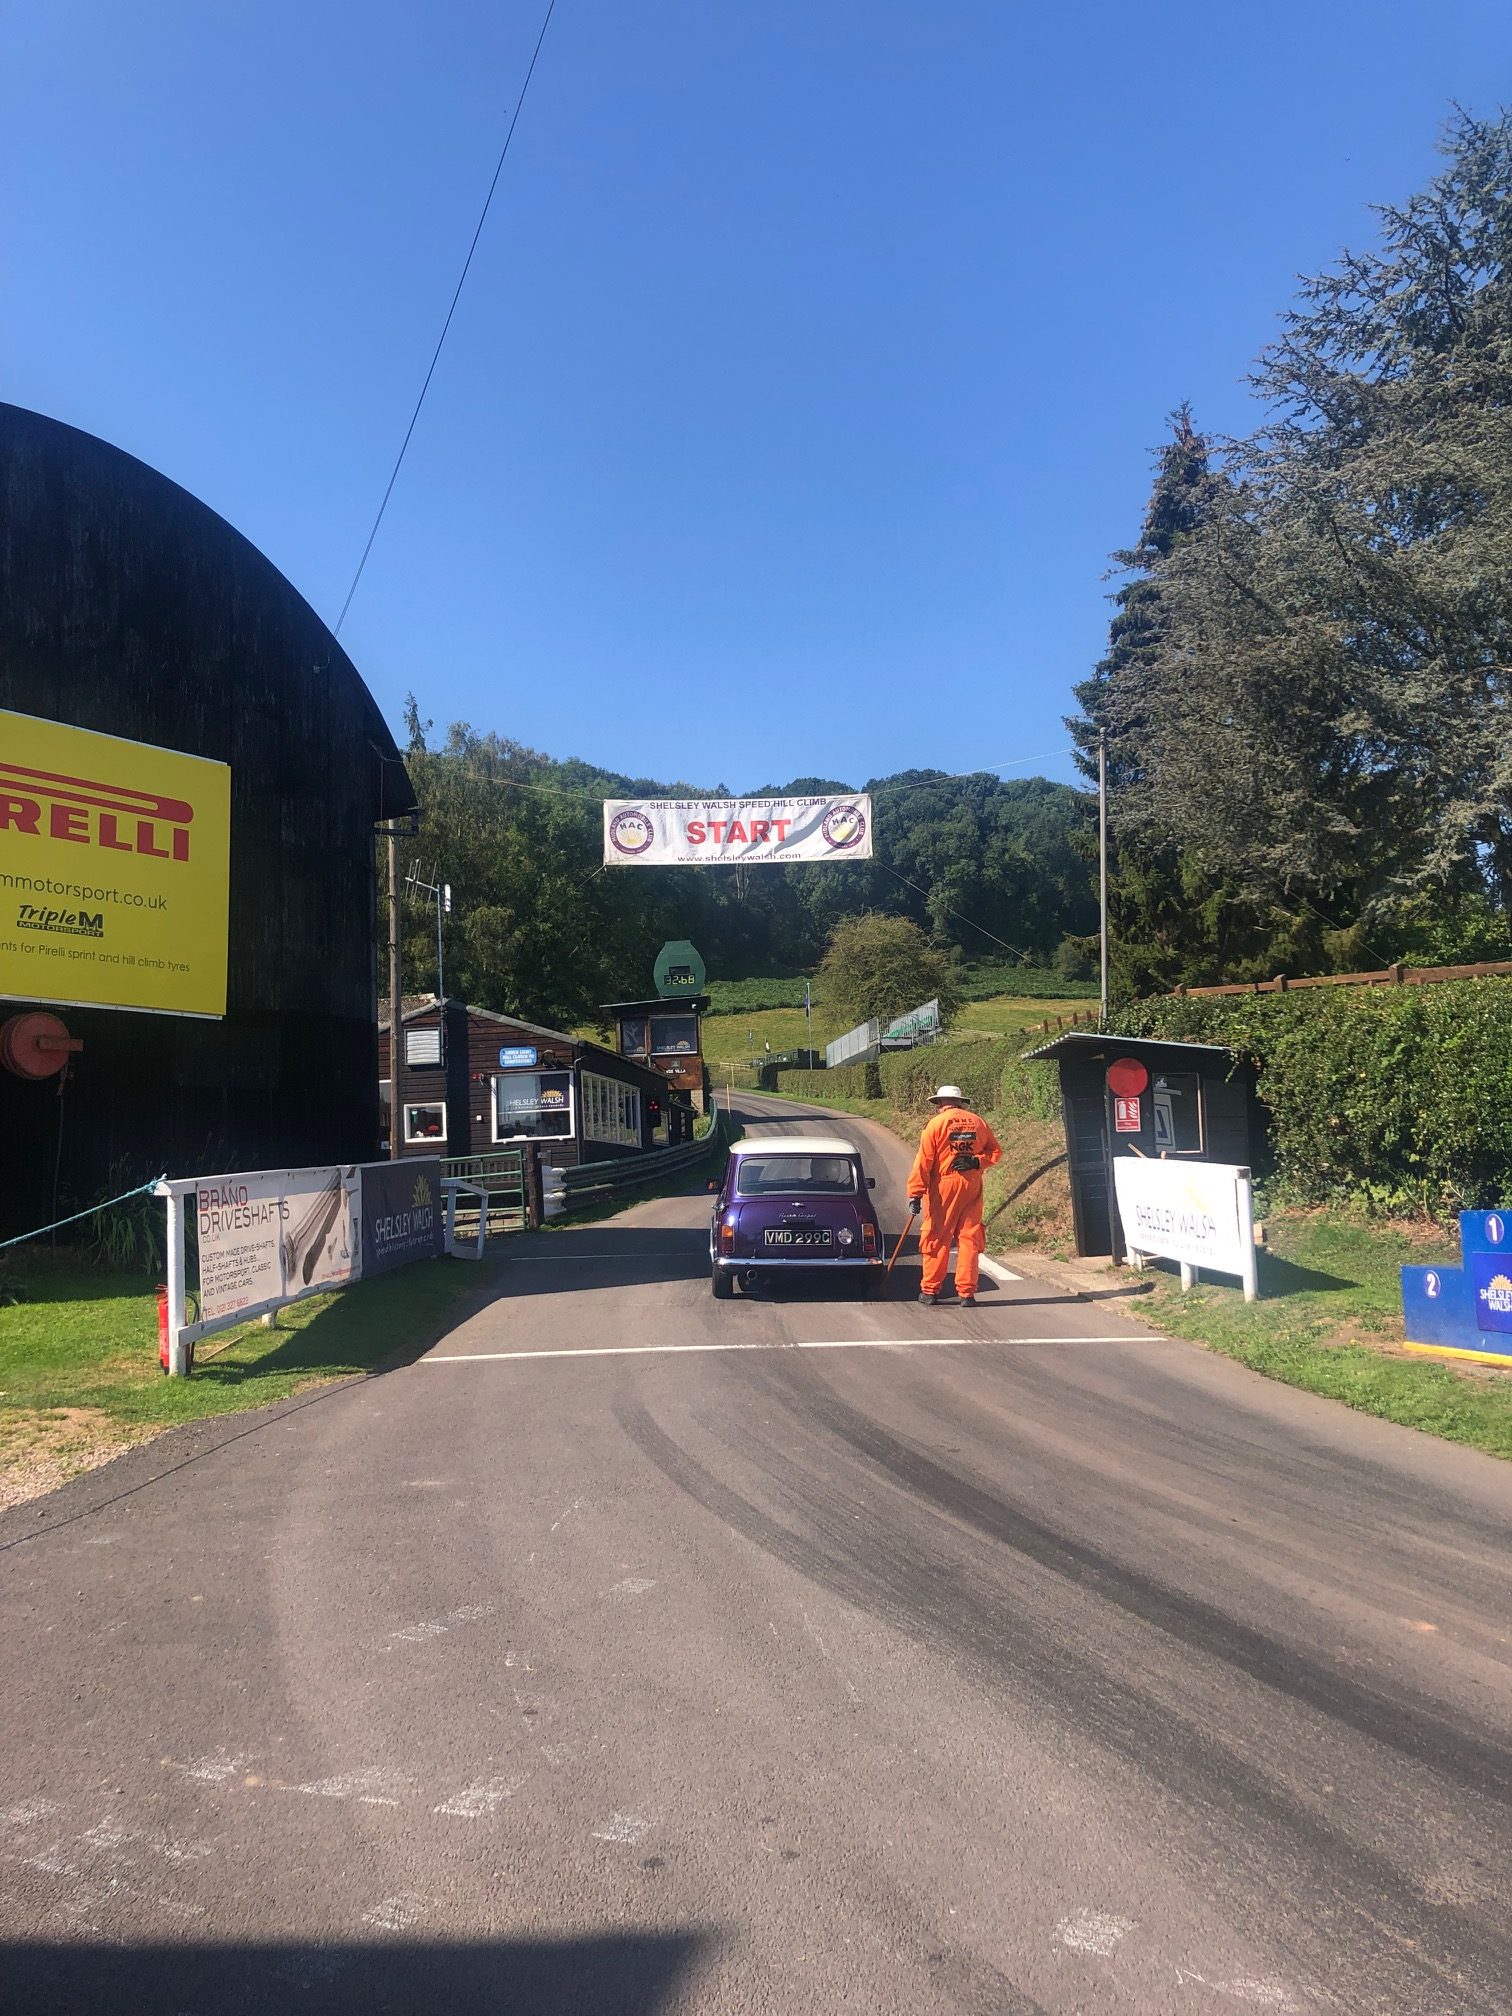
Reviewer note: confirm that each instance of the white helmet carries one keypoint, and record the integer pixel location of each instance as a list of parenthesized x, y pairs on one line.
[(947, 1092)]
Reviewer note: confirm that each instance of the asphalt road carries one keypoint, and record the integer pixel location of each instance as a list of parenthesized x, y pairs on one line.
[(634, 1653)]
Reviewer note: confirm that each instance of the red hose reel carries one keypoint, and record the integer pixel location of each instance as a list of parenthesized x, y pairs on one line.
[(36, 1045)]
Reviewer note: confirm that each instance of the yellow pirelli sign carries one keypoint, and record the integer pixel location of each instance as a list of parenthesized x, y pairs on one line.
[(115, 862)]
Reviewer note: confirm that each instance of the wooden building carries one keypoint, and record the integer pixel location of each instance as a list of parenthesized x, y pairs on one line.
[(473, 1080), (132, 610), (1136, 1095), (667, 1037)]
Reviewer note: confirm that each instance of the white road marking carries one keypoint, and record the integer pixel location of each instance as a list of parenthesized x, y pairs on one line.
[(476, 1801), (805, 1344), (634, 1585), (51, 1862), (377, 1787), (416, 1634), (1266, 1994), (29, 1812), (1089, 1931), (210, 1770), (398, 1913), (996, 1271), (627, 1827)]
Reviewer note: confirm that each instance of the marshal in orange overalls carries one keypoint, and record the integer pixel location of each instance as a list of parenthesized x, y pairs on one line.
[(954, 1149)]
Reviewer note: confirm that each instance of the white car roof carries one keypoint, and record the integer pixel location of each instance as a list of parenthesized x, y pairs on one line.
[(794, 1144)]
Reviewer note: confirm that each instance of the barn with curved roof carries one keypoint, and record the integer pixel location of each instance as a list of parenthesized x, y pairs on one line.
[(132, 610)]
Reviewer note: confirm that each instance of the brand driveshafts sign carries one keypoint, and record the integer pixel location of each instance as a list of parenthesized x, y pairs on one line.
[(114, 871), (698, 832), (273, 1236)]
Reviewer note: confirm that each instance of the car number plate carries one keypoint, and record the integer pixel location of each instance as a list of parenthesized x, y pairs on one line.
[(787, 1236)]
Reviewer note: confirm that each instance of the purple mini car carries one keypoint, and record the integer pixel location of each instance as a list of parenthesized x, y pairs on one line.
[(795, 1200)]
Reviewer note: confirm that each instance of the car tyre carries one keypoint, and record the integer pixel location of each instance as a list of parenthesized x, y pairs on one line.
[(722, 1281)]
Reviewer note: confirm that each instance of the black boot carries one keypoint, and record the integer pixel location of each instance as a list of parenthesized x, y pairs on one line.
[(966, 1301), (929, 1300)]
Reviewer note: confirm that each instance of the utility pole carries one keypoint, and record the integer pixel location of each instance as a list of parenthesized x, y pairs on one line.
[(1102, 859), (396, 1030)]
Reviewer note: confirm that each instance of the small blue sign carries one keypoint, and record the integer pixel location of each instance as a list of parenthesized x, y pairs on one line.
[(1493, 1291), (1483, 1231), (518, 1057)]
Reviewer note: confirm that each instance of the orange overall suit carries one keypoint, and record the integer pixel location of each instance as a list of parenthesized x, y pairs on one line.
[(954, 1149)]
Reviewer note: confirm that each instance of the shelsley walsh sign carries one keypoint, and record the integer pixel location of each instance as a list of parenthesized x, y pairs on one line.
[(1199, 1213), (114, 871), (704, 832)]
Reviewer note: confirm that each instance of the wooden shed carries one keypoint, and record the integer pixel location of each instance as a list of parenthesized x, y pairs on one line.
[(1132, 1095), (473, 1080), (667, 1031)]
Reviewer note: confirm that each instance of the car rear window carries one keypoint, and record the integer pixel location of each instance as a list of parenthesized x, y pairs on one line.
[(795, 1176)]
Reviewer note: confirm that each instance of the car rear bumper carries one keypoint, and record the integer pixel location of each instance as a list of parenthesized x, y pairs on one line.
[(742, 1263)]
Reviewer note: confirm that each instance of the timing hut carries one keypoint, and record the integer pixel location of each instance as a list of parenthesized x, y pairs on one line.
[(191, 770), (473, 1081), (1135, 1095)]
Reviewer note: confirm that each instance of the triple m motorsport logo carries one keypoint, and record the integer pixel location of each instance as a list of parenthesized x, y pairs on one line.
[(70, 923)]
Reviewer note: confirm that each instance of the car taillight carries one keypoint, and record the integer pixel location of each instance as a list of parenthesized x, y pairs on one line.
[(868, 1239), (727, 1234)]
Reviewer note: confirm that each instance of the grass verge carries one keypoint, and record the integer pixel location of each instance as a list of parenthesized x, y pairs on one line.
[(79, 1374), (1329, 1321)]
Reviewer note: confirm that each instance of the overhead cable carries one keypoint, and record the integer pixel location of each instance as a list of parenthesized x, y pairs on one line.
[(446, 325)]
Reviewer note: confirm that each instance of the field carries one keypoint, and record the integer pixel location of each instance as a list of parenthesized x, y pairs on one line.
[(734, 1039)]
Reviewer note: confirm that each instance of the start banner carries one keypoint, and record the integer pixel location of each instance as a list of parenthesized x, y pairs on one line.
[(699, 832), (114, 871)]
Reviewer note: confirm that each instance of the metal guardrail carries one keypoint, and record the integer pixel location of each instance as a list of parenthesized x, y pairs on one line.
[(627, 1172), (506, 1175), (502, 1174)]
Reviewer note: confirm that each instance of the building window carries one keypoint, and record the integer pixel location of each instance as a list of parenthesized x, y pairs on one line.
[(533, 1106), (422, 1046), (425, 1122), (674, 1035), (385, 1111), (611, 1111), (633, 1036), (1178, 1113)]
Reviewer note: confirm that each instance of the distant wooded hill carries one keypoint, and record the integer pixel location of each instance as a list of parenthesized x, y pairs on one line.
[(538, 928)]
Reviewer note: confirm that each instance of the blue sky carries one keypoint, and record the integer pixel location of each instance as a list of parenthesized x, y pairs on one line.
[(809, 365)]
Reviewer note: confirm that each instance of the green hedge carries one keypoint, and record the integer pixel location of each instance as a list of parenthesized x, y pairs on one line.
[(990, 1074), (1391, 1097)]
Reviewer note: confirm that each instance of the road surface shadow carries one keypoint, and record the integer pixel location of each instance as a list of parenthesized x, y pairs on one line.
[(618, 1974)]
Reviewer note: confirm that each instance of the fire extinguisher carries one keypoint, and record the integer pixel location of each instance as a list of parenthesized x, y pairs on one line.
[(162, 1302)]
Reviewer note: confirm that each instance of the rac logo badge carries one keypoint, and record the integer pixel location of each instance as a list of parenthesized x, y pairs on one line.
[(114, 817), (631, 832), (843, 827)]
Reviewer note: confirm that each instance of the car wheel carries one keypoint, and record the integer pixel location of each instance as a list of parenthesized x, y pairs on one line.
[(723, 1284)]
